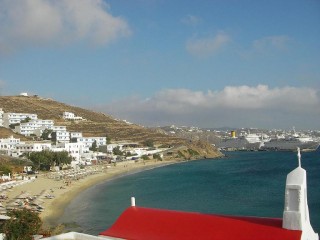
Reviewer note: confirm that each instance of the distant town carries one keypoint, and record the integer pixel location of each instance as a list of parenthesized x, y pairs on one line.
[(249, 139)]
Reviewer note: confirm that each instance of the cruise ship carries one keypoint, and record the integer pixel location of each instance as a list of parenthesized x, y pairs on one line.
[(248, 142), (290, 144), (255, 142)]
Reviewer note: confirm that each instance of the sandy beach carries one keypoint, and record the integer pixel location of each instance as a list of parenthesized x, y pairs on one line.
[(55, 190)]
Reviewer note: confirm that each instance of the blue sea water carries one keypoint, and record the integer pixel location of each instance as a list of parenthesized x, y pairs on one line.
[(243, 183)]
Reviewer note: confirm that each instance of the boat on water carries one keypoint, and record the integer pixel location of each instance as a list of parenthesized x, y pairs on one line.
[(290, 144), (249, 142), (148, 223), (254, 142), (237, 144)]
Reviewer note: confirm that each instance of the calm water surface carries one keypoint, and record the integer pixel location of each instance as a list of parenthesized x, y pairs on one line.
[(244, 183)]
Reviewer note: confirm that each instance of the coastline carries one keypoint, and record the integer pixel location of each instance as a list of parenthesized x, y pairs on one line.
[(64, 193)]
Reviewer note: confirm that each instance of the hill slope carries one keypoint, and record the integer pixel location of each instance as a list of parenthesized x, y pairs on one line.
[(96, 124)]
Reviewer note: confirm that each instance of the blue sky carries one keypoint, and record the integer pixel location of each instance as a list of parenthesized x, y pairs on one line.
[(159, 62)]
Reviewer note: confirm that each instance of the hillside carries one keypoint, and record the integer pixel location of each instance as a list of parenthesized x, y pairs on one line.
[(96, 124), (5, 133)]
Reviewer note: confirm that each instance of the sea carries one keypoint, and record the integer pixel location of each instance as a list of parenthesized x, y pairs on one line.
[(242, 184)]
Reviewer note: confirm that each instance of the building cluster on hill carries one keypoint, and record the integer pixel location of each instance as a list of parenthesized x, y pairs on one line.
[(83, 150), (250, 139)]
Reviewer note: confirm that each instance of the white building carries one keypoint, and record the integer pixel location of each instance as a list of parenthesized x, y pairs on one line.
[(61, 136), (53, 128), (75, 150), (58, 128), (74, 135), (30, 127), (110, 147), (90, 140), (13, 118), (47, 123), (9, 143), (71, 116), (1, 117), (32, 147)]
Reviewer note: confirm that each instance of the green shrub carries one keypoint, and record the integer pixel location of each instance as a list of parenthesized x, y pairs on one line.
[(145, 157), (23, 224)]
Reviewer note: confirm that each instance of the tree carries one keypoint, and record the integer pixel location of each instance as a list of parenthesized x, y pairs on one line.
[(145, 157), (46, 134), (148, 143), (22, 225), (108, 139), (61, 158), (94, 146), (13, 125), (39, 159), (45, 159), (117, 151), (5, 169), (27, 119), (157, 156)]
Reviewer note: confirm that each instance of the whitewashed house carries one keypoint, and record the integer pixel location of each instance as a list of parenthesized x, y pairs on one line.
[(61, 136), (75, 150), (110, 147), (32, 126), (138, 152), (25, 128), (74, 135), (47, 123), (13, 118), (58, 128), (70, 116), (1, 117), (32, 147), (90, 140), (7, 144), (53, 128)]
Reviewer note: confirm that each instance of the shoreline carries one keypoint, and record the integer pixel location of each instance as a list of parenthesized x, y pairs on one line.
[(64, 191), (51, 217)]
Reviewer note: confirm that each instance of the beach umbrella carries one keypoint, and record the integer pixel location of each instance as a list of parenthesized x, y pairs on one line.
[(4, 217), (37, 202), (4, 211), (10, 207), (23, 195)]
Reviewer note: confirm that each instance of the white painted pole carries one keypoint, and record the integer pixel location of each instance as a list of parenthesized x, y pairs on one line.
[(133, 202), (299, 156)]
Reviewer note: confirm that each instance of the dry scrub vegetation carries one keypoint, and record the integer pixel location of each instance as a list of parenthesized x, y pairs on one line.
[(95, 124)]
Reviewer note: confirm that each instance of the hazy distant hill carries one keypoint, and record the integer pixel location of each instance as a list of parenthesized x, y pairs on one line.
[(96, 124)]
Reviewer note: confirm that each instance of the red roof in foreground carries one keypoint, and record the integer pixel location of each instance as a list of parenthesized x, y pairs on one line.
[(146, 223)]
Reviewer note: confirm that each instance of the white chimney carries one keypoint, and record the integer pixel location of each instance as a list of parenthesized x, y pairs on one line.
[(296, 211)]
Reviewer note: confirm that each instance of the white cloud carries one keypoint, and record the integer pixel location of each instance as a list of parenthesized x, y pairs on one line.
[(259, 106), (191, 20), (207, 46), (269, 45), (34, 22), (271, 42)]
